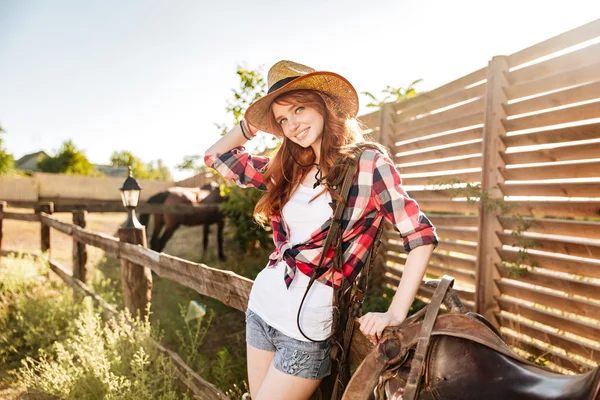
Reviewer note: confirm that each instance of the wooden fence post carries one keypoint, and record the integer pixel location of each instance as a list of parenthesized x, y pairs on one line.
[(79, 249), (489, 224), (136, 279), (48, 208), (2, 206)]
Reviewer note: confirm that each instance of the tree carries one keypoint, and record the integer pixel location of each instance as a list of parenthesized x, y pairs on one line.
[(7, 161), (153, 170), (69, 160), (393, 94)]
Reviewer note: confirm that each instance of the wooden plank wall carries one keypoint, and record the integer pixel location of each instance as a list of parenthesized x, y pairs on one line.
[(531, 120)]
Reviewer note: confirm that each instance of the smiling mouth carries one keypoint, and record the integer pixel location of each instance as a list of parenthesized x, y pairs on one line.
[(302, 134)]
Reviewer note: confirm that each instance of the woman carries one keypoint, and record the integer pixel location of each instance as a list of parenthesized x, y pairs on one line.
[(314, 112)]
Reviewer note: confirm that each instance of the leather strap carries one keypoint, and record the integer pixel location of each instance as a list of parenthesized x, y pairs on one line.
[(417, 367), (350, 170)]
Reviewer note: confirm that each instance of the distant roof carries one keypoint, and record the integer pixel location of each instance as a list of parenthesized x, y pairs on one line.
[(109, 170), (29, 161)]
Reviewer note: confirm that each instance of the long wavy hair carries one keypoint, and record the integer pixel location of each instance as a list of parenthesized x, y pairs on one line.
[(283, 175)]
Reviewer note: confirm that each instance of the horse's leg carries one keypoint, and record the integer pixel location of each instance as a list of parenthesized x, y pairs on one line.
[(205, 233), (220, 226), (159, 222), (169, 230)]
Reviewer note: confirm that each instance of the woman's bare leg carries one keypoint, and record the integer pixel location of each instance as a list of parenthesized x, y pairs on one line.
[(280, 386), (259, 362)]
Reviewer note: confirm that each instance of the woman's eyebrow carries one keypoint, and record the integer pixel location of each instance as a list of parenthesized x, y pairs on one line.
[(286, 108)]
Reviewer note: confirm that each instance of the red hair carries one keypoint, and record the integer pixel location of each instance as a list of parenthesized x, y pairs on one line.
[(283, 175)]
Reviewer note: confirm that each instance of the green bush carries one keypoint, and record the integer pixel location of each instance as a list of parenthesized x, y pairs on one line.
[(34, 311), (115, 360), (239, 210)]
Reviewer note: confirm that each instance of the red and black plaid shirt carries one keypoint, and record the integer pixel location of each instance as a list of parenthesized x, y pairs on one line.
[(375, 193)]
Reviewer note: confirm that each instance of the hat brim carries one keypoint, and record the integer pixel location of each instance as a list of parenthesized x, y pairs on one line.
[(340, 95)]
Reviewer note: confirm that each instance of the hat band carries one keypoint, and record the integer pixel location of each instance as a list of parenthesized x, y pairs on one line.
[(281, 83)]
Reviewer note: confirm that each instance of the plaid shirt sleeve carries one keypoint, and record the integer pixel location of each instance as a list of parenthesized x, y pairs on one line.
[(240, 166), (402, 211)]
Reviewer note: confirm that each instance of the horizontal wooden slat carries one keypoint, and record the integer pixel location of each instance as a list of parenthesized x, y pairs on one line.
[(451, 233), (555, 117), (576, 306), (454, 220), (568, 324), (454, 151), (465, 163), (371, 120), (448, 206), (544, 353), (573, 209), (574, 266), (566, 153), (588, 73), (441, 270), (453, 246), (570, 189), (465, 295), (443, 140), (459, 96), (19, 216), (571, 246), (563, 171), (554, 282), (566, 227), (557, 99), (457, 123), (442, 91), (431, 194), (574, 59), (556, 43), (569, 134), (443, 179), (552, 338), (452, 114), (466, 263), (13, 253)]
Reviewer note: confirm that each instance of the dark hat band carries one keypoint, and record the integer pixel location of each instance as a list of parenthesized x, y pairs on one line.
[(281, 83)]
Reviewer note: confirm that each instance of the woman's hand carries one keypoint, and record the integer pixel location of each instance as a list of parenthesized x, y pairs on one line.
[(372, 324)]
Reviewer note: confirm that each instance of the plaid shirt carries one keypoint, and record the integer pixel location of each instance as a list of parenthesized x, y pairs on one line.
[(376, 193)]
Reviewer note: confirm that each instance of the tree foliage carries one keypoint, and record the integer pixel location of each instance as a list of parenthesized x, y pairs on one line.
[(69, 160), (7, 161), (156, 170), (393, 94)]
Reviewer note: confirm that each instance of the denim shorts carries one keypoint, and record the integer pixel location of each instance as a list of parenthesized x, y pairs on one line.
[(309, 360)]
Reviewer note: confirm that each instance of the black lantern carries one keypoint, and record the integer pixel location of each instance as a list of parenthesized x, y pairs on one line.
[(130, 194)]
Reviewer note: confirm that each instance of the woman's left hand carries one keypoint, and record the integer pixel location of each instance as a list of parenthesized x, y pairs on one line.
[(372, 324)]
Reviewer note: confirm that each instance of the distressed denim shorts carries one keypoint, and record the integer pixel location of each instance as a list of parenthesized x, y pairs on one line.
[(309, 360)]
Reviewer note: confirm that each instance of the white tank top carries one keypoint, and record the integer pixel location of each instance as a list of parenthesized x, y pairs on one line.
[(271, 300)]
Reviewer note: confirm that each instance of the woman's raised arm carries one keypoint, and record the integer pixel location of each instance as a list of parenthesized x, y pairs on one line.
[(234, 138)]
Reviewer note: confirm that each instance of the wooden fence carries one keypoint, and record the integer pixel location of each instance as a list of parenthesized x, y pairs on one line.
[(524, 241)]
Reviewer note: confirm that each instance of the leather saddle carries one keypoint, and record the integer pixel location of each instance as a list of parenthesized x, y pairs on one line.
[(457, 355)]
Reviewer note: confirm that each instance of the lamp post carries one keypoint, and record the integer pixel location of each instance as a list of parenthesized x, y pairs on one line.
[(130, 195), (136, 279)]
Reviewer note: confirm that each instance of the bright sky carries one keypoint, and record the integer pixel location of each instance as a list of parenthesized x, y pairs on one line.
[(153, 77)]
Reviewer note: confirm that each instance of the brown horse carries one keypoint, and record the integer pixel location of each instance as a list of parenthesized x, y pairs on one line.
[(207, 194)]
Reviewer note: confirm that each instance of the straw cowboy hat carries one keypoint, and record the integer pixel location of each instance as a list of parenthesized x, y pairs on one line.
[(286, 76)]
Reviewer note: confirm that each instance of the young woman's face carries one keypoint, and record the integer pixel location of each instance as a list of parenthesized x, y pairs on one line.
[(301, 124)]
